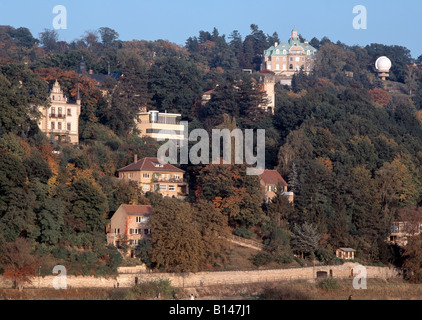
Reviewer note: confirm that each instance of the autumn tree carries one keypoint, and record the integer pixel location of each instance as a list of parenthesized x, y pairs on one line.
[(213, 226), (236, 194), (413, 259), (18, 262), (177, 243), (380, 96)]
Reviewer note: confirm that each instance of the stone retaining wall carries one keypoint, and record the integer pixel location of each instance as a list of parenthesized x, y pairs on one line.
[(210, 278)]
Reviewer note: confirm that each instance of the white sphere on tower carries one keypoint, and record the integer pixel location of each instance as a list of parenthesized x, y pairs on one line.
[(383, 64)]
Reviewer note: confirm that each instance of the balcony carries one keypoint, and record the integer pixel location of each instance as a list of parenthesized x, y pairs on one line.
[(167, 180), (57, 116)]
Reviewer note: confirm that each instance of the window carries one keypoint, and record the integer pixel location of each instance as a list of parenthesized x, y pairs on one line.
[(291, 58), (284, 51), (297, 59), (53, 126), (53, 111), (59, 126), (146, 187), (277, 67), (163, 187), (146, 175), (147, 231), (269, 66), (69, 112), (308, 52), (277, 51), (130, 175), (117, 231), (172, 187), (176, 176), (291, 67), (69, 126), (60, 111), (284, 67), (134, 231), (141, 219)]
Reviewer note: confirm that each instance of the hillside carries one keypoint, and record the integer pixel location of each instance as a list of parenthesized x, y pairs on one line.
[(349, 147)]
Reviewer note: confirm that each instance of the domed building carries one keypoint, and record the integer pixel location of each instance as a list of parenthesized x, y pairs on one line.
[(382, 67), (288, 58)]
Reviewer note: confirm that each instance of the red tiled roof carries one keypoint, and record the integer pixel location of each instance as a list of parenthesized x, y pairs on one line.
[(149, 164), (137, 210), (272, 177)]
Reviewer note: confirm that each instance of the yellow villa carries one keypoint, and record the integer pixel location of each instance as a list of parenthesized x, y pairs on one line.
[(152, 176)]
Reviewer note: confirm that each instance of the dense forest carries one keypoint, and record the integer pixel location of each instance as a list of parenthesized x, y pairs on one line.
[(349, 146)]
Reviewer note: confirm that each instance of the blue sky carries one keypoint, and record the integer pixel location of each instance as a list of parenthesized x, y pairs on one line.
[(389, 22)]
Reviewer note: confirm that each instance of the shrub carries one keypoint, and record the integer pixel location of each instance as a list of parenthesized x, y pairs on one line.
[(325, 255), (284, 258), (261, 259), (329, 284), (243, 232), (152, 288)]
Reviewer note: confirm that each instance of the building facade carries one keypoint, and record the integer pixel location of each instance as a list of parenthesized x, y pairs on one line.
[(158, 125), (288, 58), (129, 225), (402, 231), (152, 176), (60, 121), (345, 253), (271, 180)]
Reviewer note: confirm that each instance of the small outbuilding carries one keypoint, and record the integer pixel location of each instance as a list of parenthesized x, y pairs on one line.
[(345, 253)]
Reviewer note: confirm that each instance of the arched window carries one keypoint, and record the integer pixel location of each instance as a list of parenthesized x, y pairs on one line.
[(291, 67), (277, 51), (284, 51)]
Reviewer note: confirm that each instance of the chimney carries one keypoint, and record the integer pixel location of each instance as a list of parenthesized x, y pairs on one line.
[(136, 158), (276, 44)]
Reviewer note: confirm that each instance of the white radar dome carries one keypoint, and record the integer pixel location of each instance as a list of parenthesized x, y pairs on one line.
[(383, 64)]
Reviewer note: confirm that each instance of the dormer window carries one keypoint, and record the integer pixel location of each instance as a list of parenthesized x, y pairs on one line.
[(277, 51)]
